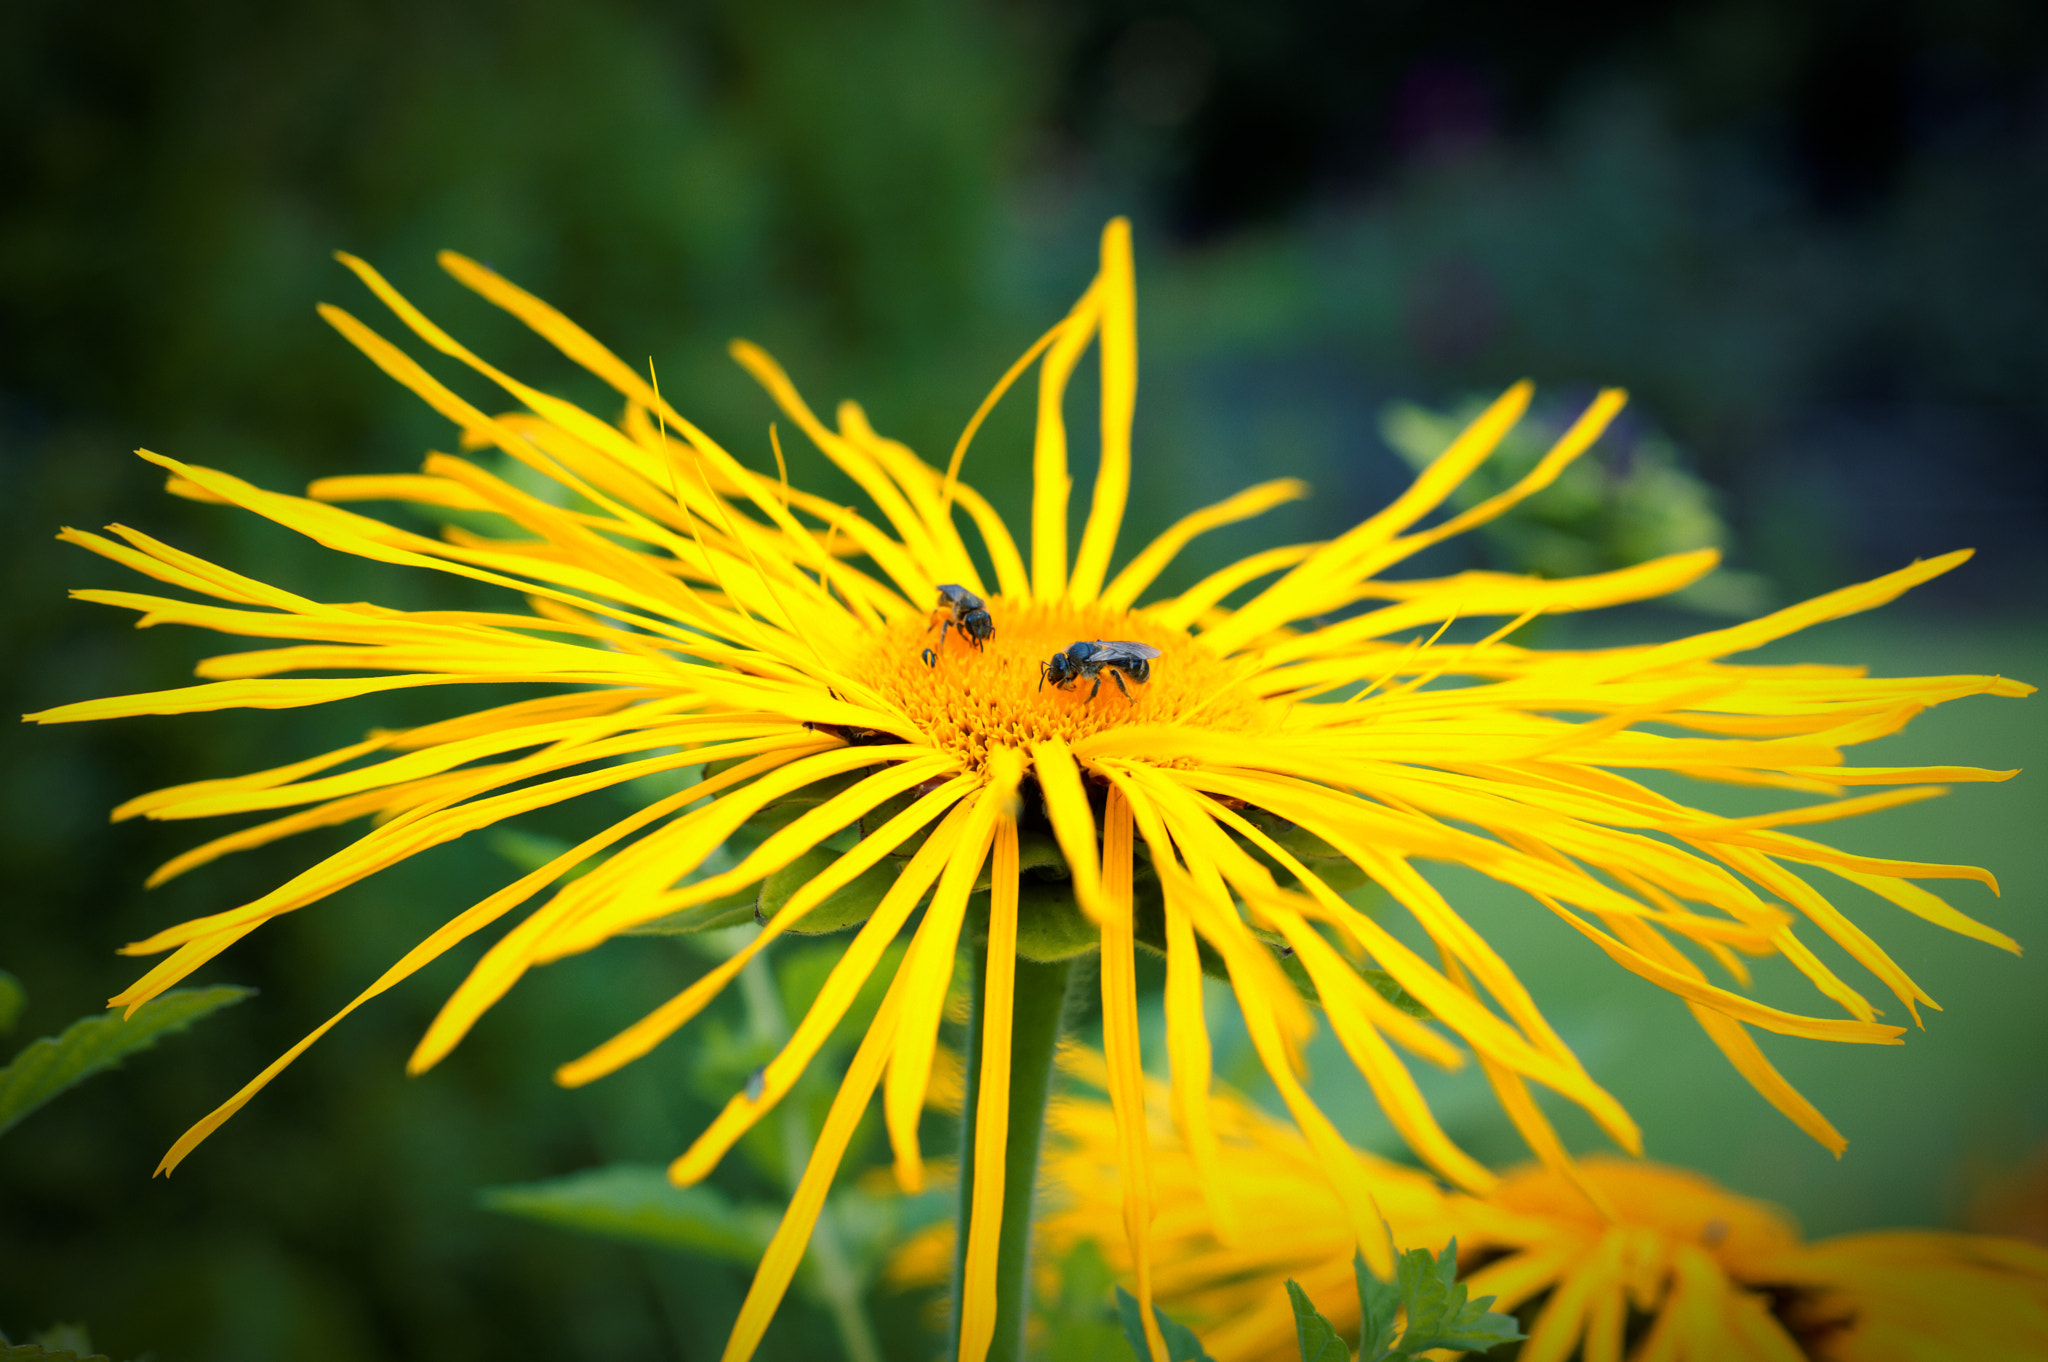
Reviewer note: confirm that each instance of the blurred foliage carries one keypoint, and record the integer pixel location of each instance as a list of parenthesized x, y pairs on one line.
[(1605, 510), (13, 998), (1803, 236), (93, 1045)]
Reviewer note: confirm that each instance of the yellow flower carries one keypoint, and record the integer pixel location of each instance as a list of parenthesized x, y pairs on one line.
[(682, 611), (1624, 1258)]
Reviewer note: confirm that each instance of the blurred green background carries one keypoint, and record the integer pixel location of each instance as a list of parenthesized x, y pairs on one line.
[(1808, 238)]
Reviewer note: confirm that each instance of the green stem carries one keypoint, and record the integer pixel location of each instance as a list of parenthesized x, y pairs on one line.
[(1040, 1003)]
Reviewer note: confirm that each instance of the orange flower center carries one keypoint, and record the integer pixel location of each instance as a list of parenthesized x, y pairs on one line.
[(971, 699)]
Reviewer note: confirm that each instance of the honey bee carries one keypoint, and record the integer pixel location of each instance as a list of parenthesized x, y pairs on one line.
[(1088, 659)]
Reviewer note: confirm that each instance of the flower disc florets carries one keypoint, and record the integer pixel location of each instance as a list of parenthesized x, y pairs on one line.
[(970, 700)]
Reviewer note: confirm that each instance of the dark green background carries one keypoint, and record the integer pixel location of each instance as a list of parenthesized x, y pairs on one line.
[(1807, 237)]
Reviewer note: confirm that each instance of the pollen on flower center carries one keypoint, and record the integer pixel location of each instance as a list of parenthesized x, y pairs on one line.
[(974, 699)]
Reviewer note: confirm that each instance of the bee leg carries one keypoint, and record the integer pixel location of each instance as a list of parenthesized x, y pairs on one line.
[(931, 659), (1097, 687), (1118, 677), (942, 632)]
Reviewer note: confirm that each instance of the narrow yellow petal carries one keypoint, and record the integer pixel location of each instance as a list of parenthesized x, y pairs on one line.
[(1073, 823), (1122, 1051), (1931, 907), (1142, 571), (1119, 347), (1050, 481), (785, 1251), (1313, 585), (1192, 606), (926, 971), (840, 986), (1187, 1049), (992, 1106), (513, 954), (1731, 1004), (1576, 440), (431, 949)]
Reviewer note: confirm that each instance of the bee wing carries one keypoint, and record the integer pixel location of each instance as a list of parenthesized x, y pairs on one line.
[(1124, 650)]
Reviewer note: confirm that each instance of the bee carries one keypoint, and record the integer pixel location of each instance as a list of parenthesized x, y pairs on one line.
[(966, 613), (1088, 659)]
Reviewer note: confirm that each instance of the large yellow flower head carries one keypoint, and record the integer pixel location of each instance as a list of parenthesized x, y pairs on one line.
[(1613, 1258), (679, 612)]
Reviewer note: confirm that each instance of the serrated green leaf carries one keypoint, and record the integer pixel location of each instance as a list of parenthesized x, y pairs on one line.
[(1314, 1335), (637, 1203), (1424, 1292), (91, 1045), (1181, 1343), (1378, 1305), (1439, 1315), (13, 998)]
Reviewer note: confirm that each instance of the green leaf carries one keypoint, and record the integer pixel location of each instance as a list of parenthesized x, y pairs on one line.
[(1316, 1337), (1390, 988), (1075, 1316), (531, 850), (727, 911), (48, 1066), (1383, 983), (1181, 1343), (1439, 1315), (637, 1203), (846, 907), (13, 998), (36, 1352), (1378, 1304)]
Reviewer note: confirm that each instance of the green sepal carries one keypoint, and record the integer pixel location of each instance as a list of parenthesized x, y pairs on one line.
[(848, 906), (1315, 1336), (1050, 923), (92, 1045), (1181, 1343)]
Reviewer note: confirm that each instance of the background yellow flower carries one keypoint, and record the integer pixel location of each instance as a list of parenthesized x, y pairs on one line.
[(1605, 1259)]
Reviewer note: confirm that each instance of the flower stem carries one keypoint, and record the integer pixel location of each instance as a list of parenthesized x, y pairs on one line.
[(1040, 1004)]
